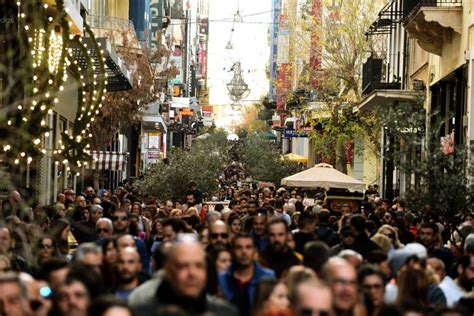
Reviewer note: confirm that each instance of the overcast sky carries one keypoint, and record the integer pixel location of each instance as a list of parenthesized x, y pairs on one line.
[(250, 46)]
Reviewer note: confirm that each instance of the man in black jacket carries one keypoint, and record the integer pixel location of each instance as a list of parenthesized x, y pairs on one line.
[(362, 243), (183, 287)]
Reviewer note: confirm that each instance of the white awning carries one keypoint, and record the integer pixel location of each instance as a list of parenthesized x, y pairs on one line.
[(108, 160)]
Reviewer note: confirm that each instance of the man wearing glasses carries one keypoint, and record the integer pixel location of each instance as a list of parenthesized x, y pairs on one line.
[(219, 233), (313, 298)]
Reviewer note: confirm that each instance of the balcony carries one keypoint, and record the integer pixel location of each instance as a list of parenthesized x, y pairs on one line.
[(73, 9), (432, 22), (373, 77)]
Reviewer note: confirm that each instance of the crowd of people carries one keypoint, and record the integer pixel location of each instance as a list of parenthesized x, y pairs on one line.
[(243, 251)]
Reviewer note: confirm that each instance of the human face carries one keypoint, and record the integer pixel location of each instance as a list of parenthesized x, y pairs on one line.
[(103, 230), (259, 223), (277, 237), (110, 255), (169, 234), (86, 214), (190, 200), (136, 209), (244, 251), (389, 234), (73, 299), (6, 242), (373, 288), (46, 248), (126, 241), (313, 301), (204, 237), (223, 261), (128, 265), (11, 301), (57, 277), (121, 222), (81, 201), (219, 233), (236, 226), (93, 260), (426, 235), (96, 215), (186, 270), (279, 297), (466, 275), (343, 284)]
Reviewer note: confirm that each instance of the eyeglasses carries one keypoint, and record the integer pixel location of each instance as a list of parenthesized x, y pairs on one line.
[(99, 230), (120, 218), (216, 235), (391, 235), (46, 246), (308, 311)]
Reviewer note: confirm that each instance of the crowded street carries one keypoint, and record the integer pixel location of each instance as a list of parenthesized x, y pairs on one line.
[(236, 158)]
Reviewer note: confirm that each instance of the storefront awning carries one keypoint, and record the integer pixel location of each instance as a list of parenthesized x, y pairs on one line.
[(108, 160), (388, 97)]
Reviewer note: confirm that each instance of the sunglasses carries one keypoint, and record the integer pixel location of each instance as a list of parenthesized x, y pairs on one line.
[(99, 230), (390, 235), (120, 218), (308, 311), (46, 246), (216, 235)]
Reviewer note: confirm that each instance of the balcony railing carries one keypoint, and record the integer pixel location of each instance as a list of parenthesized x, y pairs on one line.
[(410, 7), (374, 76)]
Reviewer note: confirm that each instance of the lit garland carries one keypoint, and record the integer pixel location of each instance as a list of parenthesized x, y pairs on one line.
[(26, 128), (75, 147)]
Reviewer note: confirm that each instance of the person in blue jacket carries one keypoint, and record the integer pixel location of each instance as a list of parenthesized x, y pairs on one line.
[(239, 282)]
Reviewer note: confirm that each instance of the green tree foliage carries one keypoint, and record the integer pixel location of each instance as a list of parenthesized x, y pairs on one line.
[(203, 162), (262, 160), (438, 181)]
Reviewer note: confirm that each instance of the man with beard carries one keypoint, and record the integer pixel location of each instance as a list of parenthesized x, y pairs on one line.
[(219, 233), (239, 282), (464, 283), (277, 255), (259, 231), (128, 270)]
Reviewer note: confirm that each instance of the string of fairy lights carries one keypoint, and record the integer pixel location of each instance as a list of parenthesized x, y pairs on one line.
[(49, 44)]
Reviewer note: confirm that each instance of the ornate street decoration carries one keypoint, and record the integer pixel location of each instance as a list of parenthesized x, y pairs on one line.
[(237, 87)]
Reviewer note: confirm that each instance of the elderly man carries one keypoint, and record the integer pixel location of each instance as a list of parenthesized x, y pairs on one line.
[(104, 228), (184, 285), (13, 300), (341, 277)]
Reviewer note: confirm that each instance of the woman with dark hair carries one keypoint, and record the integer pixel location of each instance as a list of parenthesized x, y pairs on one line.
[(60, 232), (413, 285), (45, 248), (143, 224), (269, 294), (372, 284), (156, 235), (222, 257), (234, 223), (109, 262)]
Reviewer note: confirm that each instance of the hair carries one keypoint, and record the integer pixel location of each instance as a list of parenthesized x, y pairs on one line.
[(313, 282), (315, 254), (85, 249), (382, 241), (295, 276), (306, 218), (178, 225), (396, 241), (413, 287), (232, 218), (136, 204), (359, 223), (14, 277), (276, 221), (323, 216), (242, 235), (262, 293), (368, 270), (279, 203), (102, 304), (52, 264), (91, 279), (105, 220)]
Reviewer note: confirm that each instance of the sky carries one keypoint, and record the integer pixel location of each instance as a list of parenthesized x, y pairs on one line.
[(250, 42)]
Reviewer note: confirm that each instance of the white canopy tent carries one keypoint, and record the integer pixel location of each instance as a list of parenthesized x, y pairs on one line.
[(323, 176)]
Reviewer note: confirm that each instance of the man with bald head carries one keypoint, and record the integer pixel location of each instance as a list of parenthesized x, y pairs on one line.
[(312, 297), (219, 233), (128, 268), (14, 205), (341, 277), (184, 284)]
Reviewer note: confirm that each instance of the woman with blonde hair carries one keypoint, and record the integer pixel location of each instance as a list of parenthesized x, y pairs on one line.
[(392, 233)]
